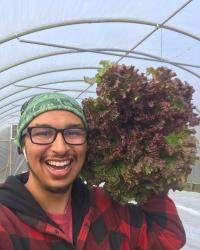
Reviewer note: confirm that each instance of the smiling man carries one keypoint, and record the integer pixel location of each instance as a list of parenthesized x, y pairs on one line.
[(49, 207), (55, 145)]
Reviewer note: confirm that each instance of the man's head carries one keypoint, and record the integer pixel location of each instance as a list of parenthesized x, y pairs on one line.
[(52, 134), (41, 103)]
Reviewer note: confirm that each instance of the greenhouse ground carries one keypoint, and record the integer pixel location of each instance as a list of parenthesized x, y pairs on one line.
[(188, 206)]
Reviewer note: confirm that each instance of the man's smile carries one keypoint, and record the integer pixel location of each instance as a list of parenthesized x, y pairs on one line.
[(60, 164)]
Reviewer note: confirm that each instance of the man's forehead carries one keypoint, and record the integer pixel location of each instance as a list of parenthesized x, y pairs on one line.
[(56, 116)]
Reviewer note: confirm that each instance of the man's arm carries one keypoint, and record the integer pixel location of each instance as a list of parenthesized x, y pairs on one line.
[(156, 225)]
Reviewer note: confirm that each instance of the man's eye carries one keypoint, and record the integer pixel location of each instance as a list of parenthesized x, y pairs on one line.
[(44, 133), (74, 132)]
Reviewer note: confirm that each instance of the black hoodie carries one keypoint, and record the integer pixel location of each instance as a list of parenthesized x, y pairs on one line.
[(16, 197)]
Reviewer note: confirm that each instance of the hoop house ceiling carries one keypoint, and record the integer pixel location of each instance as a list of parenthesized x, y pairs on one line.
[(51, 45)]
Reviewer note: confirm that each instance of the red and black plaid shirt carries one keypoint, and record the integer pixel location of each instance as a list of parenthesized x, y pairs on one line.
[(99, 223)]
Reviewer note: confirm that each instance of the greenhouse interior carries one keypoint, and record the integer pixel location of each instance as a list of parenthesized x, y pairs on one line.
[(59, 46), (52, 46)]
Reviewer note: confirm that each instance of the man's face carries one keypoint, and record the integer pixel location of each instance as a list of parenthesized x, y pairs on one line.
[(55, 166)]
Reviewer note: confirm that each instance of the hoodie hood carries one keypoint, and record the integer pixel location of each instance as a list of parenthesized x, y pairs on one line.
[(15, 196)]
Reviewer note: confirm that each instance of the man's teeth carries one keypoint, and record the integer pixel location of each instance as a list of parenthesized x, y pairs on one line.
[(58, 163)]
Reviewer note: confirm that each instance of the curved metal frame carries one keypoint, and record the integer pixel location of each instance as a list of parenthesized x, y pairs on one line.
[(127, 52), (152, 58), (99, 50), (14, 107), (102, 51), (68, 69), (98, 20), (26, 87), (45, 72)]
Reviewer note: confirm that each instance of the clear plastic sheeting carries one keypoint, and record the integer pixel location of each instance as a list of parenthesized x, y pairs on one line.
[(52, 45), (188, 207), (10, 161)]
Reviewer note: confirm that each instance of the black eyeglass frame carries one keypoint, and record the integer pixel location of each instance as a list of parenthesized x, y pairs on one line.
[(61, 130)]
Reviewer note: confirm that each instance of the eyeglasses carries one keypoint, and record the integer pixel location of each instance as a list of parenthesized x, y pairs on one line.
[(47, 135)]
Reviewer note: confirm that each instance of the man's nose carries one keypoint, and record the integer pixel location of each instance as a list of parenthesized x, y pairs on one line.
[(59, 145)]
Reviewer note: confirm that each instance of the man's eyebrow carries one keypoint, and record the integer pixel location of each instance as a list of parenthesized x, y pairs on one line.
[(70, 125), (41, 125), (74, 125)]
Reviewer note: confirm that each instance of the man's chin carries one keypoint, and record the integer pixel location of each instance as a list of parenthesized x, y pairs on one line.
[(58, 190), (52, 189)]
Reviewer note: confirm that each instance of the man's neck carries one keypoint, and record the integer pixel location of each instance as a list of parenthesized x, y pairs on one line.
[(49, 201)]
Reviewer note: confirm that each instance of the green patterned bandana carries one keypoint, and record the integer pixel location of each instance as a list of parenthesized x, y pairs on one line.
[(46, 102)]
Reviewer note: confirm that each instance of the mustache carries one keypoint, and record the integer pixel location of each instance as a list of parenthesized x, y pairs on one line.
[(59, 156)]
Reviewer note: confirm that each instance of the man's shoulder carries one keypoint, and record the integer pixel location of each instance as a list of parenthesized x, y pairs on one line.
[(100, 193), (103, 201), (6, 215), (96, 197)]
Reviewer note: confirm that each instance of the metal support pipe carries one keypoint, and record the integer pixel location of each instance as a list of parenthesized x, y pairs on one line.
[(101, 50), (161, 25)]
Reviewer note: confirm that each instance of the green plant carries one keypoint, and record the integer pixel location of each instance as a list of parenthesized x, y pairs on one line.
[(141, 137)]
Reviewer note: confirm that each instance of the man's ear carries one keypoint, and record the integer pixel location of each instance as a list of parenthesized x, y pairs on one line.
[(24, 152), (19, 150)]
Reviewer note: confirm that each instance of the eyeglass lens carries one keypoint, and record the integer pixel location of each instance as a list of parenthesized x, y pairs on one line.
[(46, 135)]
